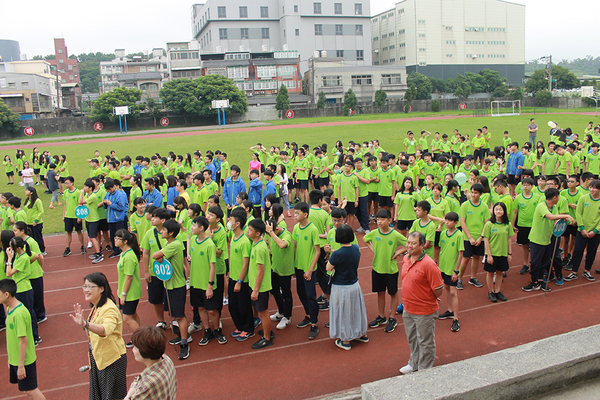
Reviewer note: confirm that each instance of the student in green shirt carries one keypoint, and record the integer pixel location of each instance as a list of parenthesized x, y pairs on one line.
[(129, 282), (138, 223), (364, 179), (320, 219), (70, 219), (549, 160), (425, 225), (451, 252), (423, 146), (572, 194), (18, 214), (386, 244), (478, 144), (524, 206), (19, 343), (216, 231), (126, 173), (436, 146), (506, 140), (592, 160), (387, 179), (588, 235), (410, 144), (34, 208), (497, 234), (348, 189), (373, 188), (135, 189), (90, 199), (404, 206)]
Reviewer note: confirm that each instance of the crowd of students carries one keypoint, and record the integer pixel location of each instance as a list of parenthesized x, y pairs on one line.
[(229, 244)]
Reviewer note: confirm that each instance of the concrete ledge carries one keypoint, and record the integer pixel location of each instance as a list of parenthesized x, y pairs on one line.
[(516, 373)]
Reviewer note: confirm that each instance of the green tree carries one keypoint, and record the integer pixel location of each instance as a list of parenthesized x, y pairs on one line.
[(50, 57), (436, 106), (350, 101), (542, 98), (463, 88), (282, 101), (153, 108), (565, 79), (103, 107), (537, 81), (38, 57), (423, 85), (380, 98), (194, 97), (9, 120), (517, 93), (491, 81), (409, 96), (501, 91), (439, 85), (321, 101), (475, 81), (89, 70)]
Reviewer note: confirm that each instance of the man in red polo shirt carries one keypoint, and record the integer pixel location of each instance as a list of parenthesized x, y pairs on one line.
[(422, 284)]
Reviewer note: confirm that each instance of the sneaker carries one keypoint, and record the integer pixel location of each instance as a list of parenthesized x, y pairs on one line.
[(446, 315), (262, 343), (391, 325), (225, 299), (283, 323), (244, 336), (114, 255), (272, 336), (2, 327), (377, 321), (92, 256), (324, 306), (544, 287), (504, 274), (407, 369), (363, 339), (89, 245), (531, 286), (367, 231), (67, 252), (220, 337), (492, 297), (304, 323), (208, 336), (257, 322), (459, 284), (327, 324), (552, 277), (360, 230), (524, 270), (83, 251), (475, 282), (42, 320), (175, 341), (588, 276), (235, 333), (568, 267), (193, 328), (184, 352), (37, 341), (129, 344), (500, 296), (597, 271), (108, 247), (342, 345), (161, 325), (276, 317), (44, 253), (322, 299), (314, 331), (560, 280), (571, 277), (455, 326), (98, 259)]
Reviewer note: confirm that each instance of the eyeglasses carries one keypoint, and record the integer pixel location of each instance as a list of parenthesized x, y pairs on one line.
[(117, 237), (88, 287)]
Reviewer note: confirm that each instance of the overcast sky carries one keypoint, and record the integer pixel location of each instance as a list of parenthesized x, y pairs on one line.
[(553, 27)]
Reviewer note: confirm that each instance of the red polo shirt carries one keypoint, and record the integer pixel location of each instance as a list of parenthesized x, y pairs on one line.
[(418, 282)]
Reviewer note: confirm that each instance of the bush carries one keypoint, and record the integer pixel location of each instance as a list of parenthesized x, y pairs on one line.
[(380, 98), (542, 98), (436, 106)]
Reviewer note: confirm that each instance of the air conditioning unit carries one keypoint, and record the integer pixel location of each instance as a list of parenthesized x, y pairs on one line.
[(285, 47), (242, 47), (264, 48), (249, 94), (324, 53), (316, 54)]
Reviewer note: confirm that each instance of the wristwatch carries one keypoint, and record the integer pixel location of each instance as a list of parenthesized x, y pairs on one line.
[(123, 293), (238, 281), (211, 283), (457, 272)]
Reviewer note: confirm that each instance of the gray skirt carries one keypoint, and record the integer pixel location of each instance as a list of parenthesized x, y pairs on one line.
[(347, 312)]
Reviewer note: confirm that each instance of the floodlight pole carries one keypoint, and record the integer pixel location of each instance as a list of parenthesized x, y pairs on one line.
[(223, 116), (550, 72)]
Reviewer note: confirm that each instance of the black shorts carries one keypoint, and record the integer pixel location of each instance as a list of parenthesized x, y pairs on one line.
[(385, 201), (500, 264), (156, 291), (20, 174), (471, 250), (570, 231), (218, 176), (177, 301), (373, 196), (478, 154), (11, 173), (404, 225), (302, 184), (350, 209), (30, 381), (198, 299), (436, 242), (103, 225), (71, 223), (514, 179), (262, 168), (129, 308), (36, 171), (222, 182), (448, 279), (291, 184), (324, 181), (92, 229), (523, 235), (262, 304), (381, 282)]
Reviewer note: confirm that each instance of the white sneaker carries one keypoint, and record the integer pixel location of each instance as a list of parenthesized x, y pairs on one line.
[(367, 231), (193, 328), (276, 316), (89, 246), (407, 369), (283, 323), (225, 301), (359, 230)]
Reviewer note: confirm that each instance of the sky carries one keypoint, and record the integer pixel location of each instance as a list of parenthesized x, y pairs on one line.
[(136, 26)]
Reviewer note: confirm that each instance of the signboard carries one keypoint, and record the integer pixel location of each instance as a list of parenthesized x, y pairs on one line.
[(220, 103), (560, 227), (462, 106), (98, 126), (164, 121), (82, 212), (587, 91), (163, 270), (123, 110), (29, 131), (350, 111), (407, 108), (289, 114)]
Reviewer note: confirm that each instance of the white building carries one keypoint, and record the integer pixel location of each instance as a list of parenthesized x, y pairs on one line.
[(110, 71), (183, 60), (341, 28), (443, 38)]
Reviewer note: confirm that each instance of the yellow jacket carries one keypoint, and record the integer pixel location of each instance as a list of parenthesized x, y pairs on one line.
[(111, 347)]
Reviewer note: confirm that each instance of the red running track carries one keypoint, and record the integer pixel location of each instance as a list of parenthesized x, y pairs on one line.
[(296, 367)]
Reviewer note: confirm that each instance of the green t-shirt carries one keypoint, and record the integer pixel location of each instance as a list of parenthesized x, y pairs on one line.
[(147, 172), (282, 259), (22, 264), (238, 250), (373, 187), (498, 235), (320, 219), (450, 248), (18, 325), (134, 194), (525, 206), (91, 202), (428, 169), (549, 161), (260, 255), (211, 188), (101, 192), (423, 144), (306, 239), (479, 143), (333, 244), (436, 145), (36, 267), (125, 171), (185, 223), (303, 163), (588, 213), (475, 216), (220, 239), (406, 205), (438, 209), (174, 253), (400, 175), (96, 172), (426, 192), (593, 161), (410, 146), (139, 224), (348, 185), (129, 265), (384, 247), (572, 199), (363, 188), (453, 203), (149, 243), (202, 255), (114, 174), (71, 202), (562, 167), (6, 214), (386, 182), (541, 227), (508, 202), (428, 230)]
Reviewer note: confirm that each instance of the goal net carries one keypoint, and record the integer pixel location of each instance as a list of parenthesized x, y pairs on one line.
[(501, 108)]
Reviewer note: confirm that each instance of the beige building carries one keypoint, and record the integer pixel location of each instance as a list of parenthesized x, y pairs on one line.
[(111, 71), (444, 38)]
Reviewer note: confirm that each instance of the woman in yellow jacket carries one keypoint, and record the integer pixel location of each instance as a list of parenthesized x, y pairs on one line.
[(104, 327)]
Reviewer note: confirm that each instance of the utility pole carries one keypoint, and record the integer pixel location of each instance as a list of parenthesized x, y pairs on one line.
[(550, 73)]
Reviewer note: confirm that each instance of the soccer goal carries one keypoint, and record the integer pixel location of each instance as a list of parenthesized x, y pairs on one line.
[(500, 108)]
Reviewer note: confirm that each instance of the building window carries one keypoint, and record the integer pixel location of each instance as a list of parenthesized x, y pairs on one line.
[(474, 29), (358, 8), (385, 61), (318, 30), (401, 31), (265, 33), (297, 32), (358, 30), (243, 12), (496, 29), (475, 42), (295, 7), (223, 33), (392, 46), (392, 60), (384, 49), (289, 84), (450, 41), (339, 30), (421, 49), (400, 11), (244, 33), (391, 79), (383, 17), (402, 58), (391, 34), (390, 15), (264, 12), (448, 55), (384, 36), (143, 69), (222, 12), (60, 51), (360, 55), (70, 77), (421, 35), (266, 71), (317, 8), (151, 69), (61, 61), (337, 8), (376, 38), (70, 67), (339, 53), (332, 81), (495, 42), (448, 28), (421, 21), (287, 70), (362, 80)]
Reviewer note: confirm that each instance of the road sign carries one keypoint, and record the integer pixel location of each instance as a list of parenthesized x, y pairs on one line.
[(98, 126), (462, 106), (289, 114), (407, 108), (560, 227), (123, 110), (350, 111), (82, 212), (29, 131), (164, 121), (220, 103), (163, 270)]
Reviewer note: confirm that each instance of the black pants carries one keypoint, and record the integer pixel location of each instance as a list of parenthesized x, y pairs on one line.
[(540, 260), (38, 297), (240, 307), (307, 292), (127, 190), (321, 272), (27, 299), (282, 293), (36, 232), (113, 227), (2, 315), (362, 213), (581, 243)]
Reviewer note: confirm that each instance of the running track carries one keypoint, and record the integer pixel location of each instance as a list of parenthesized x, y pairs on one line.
[(295, 367)]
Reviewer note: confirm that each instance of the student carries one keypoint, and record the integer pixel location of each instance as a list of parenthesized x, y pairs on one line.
[(348, 189), (524, 206), (129, 282), (255, 192), (592, 160), (71, 220), (572, 195), (439, 208), (302, 167), (35, 213), (8, 169), (497, 234), (270, 188), (136, 190), (364, 180), (451, 253), (387, 180), (233, 185), (115, 203), (217, 233), (152, 195), (175, 286), (19, 344), (90, 199), (126, 172), (138, 223), (425, 225), (386, 244), (18, 214), (373, 188), (103, 230)]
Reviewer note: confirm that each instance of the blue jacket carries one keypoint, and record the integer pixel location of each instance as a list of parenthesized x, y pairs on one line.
[(171, 194), (119, 205), (231, 190), (154, 198), (515, 160), (137, 169), (269, 188), (255, 192), (213, 169)]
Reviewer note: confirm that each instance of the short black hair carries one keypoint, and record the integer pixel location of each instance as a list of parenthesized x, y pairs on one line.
[(9, 286), (344, 234), (451, 216), (162, 213), (424, 205), (257, 225), (15, 202), (383, 213), (478, 187), (239, 214), (172, 227), (551, 193), (315, 196), (302, 207), (202, 221), (217, 211), (338, 213)]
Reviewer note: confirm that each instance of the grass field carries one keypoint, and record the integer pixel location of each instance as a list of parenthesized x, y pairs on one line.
[(236, 144)]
